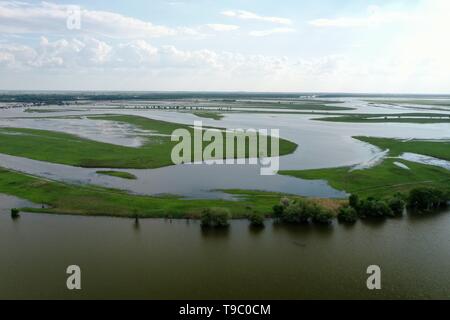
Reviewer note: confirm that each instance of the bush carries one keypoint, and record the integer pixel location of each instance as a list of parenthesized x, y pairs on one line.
[(215, 218), (300, 211), (15, 213), (427, 199), (347, 214), (256, 221), (397, 205), (374, 208), (354, 202), (322, 217), (278, 211)]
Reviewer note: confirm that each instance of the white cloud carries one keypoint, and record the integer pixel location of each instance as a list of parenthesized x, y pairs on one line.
[(22, 17), (374, 16), (269, 32), (247, 15), (222, 27), (90, 53)]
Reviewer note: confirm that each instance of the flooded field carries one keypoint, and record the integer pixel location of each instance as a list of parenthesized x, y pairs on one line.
[(159, 259)]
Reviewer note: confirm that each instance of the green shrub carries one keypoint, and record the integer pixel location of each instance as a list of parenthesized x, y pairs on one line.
[(354, 202), (285, 202), (14, 213), (427, 199), (397, 205), (374, 208), (256, 221), (347, 214), (215, 218), (278, 211), (303, 210), (322, 217), (297, 212)]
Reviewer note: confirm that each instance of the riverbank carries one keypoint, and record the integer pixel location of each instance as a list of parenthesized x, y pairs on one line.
[(392, 174), (61, 198)]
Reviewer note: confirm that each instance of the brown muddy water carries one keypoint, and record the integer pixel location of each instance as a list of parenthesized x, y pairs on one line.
[(162, 259)]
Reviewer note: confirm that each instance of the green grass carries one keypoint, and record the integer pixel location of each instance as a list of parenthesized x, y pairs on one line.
[(444, 103), (118, 174), (88, 200), (303, 105), (436, 149), (49, 110), (386, 178), (62, 148), (383, 180), (209, 115), (423, 119)]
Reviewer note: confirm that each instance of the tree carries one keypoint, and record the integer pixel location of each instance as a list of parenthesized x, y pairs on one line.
[(322, 217), (256, 221), (354, 202), (215, 218), (296, 213), (427, 199), (397, 205), (374, 208), (278, 211), (347, 214), (15, 213)]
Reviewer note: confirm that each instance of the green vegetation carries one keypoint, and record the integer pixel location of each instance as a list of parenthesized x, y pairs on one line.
[(209, 115), (388, 119), (215, 218), (297, 105), (301, 211), (68, 149), (397, 204), (422, 200), (256, 221), (387, 178), (61, 198), (382, 180), (437, 149), (118, 174), (88, 200), (376, 208), (29, 110), (15, 213), (347, 214), (440, 102), (425, 200)]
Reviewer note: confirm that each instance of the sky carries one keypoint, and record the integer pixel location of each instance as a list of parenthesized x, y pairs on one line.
[(378, 46)]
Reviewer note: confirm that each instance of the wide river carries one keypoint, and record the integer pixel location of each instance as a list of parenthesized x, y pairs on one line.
[(162, 259)]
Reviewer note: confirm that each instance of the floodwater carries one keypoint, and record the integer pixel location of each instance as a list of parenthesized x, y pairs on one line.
[(321, 145), (162, 259)]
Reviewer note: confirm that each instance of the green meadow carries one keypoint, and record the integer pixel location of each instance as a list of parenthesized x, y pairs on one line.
[(118, 174), (61, 198), (387, 178), (63, 148), (423, 119)]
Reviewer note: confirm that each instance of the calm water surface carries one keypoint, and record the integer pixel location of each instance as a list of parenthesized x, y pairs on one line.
[(161, 259)]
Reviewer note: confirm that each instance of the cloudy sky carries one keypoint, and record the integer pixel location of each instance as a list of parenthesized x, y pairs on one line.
[(396, 46)]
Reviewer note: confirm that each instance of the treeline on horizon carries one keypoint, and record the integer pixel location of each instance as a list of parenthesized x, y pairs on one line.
[(73, 96)]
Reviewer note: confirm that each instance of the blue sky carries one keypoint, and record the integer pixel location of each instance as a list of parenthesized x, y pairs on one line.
[(247, 45)]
